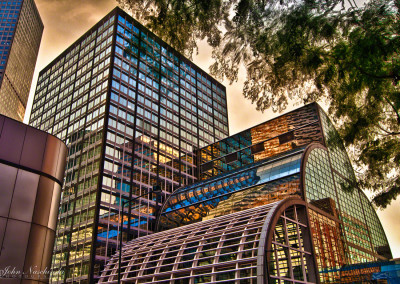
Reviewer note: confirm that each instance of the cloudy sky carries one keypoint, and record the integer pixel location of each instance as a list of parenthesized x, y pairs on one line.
[(66, 20)]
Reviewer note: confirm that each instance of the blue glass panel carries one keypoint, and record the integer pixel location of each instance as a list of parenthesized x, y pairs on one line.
[(239, 180)]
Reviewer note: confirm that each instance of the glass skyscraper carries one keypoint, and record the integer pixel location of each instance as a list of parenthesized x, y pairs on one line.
[(132, 111), (21, 31)]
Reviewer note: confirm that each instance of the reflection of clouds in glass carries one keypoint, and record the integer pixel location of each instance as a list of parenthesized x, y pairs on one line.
[(279, 169)]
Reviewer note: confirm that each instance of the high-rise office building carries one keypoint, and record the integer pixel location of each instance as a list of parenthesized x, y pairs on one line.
[(21, 31), (131, 110), (205, 236)]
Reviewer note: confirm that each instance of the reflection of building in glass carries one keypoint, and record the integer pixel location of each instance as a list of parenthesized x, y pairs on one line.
[(131, 110), (31, 175), (21, 30), (292, 155), (292, 131)]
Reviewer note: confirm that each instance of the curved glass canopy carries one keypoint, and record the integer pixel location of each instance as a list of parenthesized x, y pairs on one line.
[(235, 248)]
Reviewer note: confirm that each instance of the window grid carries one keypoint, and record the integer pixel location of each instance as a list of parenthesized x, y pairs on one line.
[(217, 250)]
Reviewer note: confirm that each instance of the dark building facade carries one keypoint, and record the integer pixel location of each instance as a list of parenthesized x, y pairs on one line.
[(131, 111), (297, 154), (32, 166), (21, 31)]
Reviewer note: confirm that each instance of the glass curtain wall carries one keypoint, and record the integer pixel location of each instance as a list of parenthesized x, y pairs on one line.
[(342, 215), (292, 131), (70, 102), (131, 110), (21, 31)]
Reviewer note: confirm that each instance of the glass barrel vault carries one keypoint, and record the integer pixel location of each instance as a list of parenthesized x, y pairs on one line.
[(265, 244)]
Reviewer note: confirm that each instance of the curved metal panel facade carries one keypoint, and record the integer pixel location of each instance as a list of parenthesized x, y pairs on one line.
[(31, 175), (257, 245)]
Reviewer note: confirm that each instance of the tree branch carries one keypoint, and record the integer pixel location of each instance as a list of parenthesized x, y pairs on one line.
[(390, 76), (388, 132), (394, 109)]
